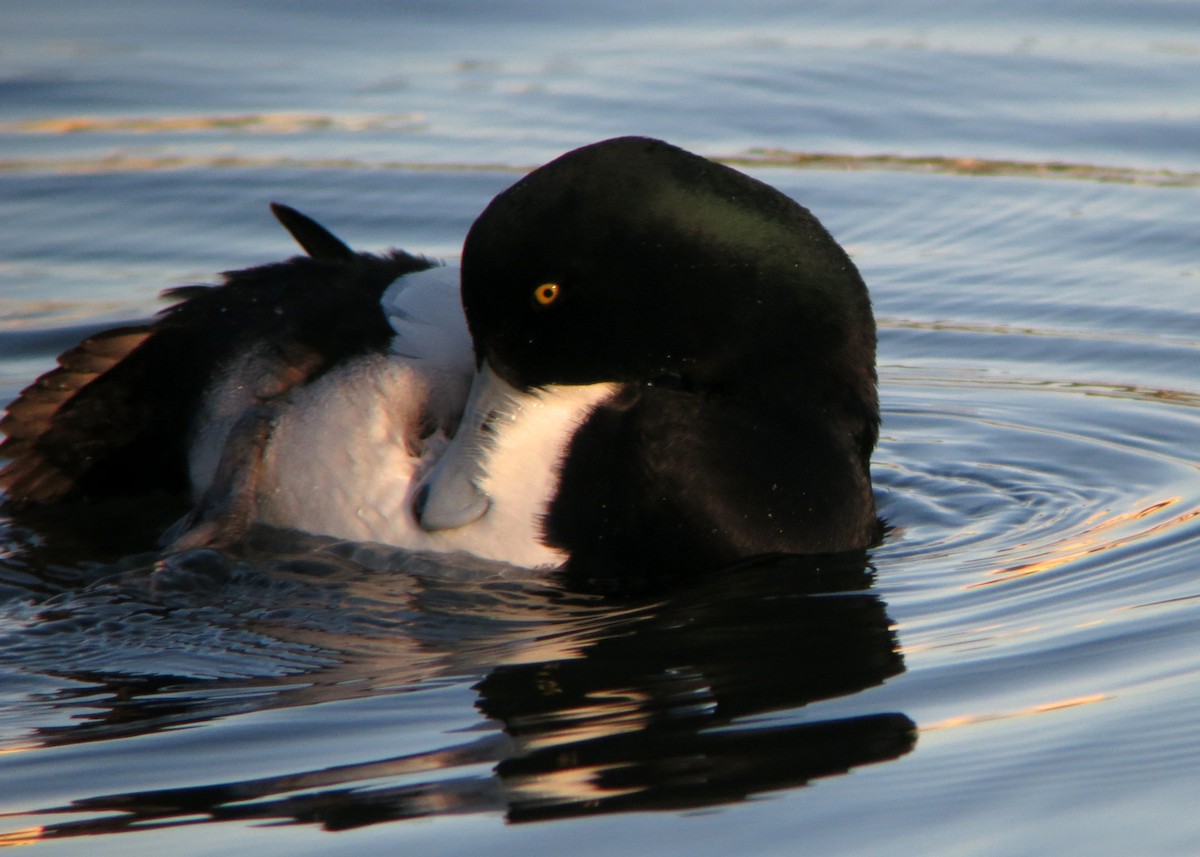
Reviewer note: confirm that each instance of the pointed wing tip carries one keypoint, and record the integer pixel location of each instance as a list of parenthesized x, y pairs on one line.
[(317, 241)]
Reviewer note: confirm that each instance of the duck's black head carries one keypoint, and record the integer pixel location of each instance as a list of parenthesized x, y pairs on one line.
[(740, 338), (631, 259)]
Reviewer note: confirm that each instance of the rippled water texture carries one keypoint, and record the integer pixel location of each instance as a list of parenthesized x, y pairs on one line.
[(1013, 671)]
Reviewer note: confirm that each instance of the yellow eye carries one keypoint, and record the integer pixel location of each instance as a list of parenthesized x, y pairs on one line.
[(546, 294)]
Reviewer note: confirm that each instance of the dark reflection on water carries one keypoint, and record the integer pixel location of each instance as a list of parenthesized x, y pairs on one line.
[(598, 705)]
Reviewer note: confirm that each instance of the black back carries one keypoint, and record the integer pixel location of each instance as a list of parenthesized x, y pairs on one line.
[(115, 418)]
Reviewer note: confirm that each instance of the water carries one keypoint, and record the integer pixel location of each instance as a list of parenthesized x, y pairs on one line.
[(1021, 188)]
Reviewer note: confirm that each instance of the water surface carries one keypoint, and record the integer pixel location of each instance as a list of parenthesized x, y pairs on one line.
[(1013, 671)]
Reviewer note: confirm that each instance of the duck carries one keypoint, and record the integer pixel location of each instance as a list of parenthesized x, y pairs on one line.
[(645, 364)]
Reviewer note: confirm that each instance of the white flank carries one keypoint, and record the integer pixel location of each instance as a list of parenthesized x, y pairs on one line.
[(426, 312), (344, 456), (349, 451)]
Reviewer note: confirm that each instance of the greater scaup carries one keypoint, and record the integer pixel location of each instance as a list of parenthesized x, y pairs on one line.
[(658, 365)]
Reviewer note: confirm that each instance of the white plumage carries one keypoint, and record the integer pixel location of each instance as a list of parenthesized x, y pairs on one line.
[(348, 452)]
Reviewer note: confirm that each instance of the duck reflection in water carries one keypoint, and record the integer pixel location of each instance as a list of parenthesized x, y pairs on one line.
[(648, 713)]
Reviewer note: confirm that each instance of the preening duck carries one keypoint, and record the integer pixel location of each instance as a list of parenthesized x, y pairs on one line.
[(648, 364)]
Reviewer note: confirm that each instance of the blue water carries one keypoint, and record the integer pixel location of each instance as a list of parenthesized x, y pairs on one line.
[(1015, 671)]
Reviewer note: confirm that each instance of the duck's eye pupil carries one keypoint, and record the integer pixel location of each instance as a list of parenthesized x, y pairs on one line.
[(546, 294)]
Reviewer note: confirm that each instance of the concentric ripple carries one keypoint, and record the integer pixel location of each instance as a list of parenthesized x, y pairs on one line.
[(1012, 479), (1030, 513)]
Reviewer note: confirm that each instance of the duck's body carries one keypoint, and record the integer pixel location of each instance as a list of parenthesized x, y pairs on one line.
[(348, 451), (663, 365)]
